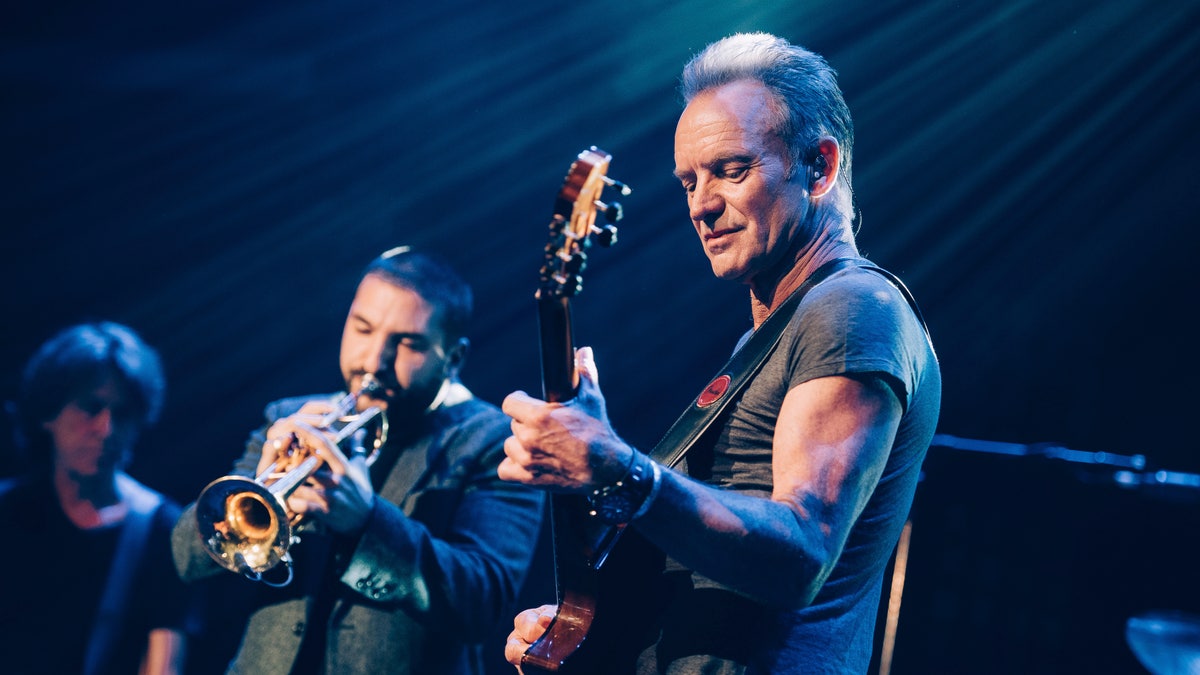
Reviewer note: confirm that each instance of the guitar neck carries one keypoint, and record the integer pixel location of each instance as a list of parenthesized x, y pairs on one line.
[(579, 547), (559, 379)]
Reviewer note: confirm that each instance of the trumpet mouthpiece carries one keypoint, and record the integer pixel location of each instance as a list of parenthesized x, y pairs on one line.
[(371, 386)]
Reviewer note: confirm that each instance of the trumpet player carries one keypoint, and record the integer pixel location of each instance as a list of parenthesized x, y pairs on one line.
[(410, 549)]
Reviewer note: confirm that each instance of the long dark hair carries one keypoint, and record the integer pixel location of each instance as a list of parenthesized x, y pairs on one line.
[(78, 358)]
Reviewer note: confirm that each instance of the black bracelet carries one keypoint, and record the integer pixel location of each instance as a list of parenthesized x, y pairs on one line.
[(630, 497)]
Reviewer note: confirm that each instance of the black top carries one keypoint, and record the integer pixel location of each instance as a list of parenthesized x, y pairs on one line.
[(52, 577)]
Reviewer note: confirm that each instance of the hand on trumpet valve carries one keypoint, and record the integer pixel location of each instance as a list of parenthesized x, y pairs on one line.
[(339, 493), (283, 448)]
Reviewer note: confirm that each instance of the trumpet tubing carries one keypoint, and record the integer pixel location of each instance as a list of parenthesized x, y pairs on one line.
[(245, 524)]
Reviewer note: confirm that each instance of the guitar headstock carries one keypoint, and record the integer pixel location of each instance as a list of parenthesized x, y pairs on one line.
[(574, 223)]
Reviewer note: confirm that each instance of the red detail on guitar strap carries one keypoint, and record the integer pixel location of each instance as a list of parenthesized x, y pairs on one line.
[(713, 392)]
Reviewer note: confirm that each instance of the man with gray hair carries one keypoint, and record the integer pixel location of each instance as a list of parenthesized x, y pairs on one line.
[(778, 533)]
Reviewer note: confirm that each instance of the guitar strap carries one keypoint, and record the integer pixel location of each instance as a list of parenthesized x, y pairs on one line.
[(746, 362), (135, 531)]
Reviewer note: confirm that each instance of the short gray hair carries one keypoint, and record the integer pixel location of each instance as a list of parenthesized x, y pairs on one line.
[(809, 101)]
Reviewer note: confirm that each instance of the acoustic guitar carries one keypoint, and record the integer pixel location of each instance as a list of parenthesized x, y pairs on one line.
[(580, 542)]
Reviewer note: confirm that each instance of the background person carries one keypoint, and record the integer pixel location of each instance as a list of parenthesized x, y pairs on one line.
[(88, 584)]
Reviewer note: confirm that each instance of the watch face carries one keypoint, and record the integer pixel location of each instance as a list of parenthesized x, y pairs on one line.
[(614, 506)]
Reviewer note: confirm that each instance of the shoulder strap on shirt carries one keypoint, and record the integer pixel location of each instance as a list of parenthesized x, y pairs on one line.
[(143, 502), (908, 296)]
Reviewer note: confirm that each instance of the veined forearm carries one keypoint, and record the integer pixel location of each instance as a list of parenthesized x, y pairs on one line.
[(759, 547)]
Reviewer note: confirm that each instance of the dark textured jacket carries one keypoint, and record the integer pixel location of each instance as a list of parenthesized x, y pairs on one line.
[(441, 560)]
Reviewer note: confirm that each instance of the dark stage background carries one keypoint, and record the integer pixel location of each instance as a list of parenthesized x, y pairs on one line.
[(216, 174)]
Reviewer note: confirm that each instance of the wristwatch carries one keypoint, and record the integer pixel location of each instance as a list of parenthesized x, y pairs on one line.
[(628, 498)]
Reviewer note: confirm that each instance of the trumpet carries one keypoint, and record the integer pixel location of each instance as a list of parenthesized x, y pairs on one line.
[(245, 524)]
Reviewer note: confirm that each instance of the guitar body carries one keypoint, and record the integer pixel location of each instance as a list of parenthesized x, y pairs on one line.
[(604, 617)]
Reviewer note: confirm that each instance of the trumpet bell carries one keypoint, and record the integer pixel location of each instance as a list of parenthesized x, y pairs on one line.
[(243, 525)]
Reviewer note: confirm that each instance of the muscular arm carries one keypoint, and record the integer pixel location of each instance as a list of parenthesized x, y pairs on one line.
[(831, 443), (830, 446)]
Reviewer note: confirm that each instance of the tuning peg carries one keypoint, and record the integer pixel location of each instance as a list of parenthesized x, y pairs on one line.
[(607, 236), (612, 182), (566, 287), (612, 212), (575, 264)]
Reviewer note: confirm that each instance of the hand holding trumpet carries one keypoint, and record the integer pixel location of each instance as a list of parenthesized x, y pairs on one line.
[(339, 494), (247, 524)]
